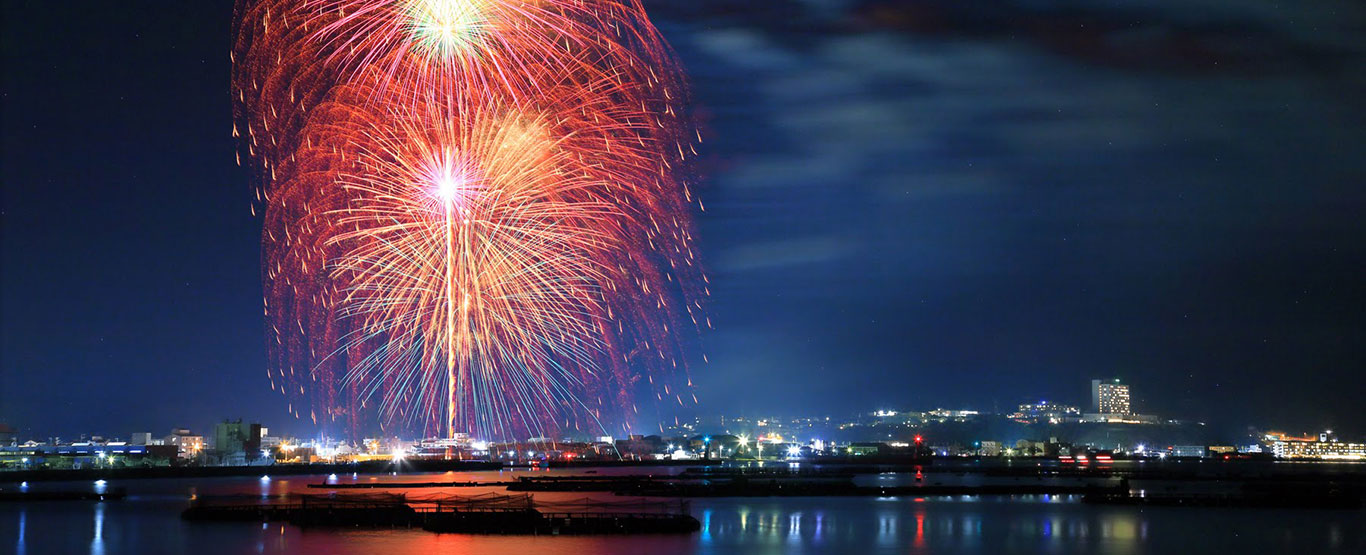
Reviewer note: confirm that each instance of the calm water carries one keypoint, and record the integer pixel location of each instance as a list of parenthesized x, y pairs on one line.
[(148, 522)]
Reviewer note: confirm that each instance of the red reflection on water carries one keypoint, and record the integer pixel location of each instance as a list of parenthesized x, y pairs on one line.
[(919, 541)]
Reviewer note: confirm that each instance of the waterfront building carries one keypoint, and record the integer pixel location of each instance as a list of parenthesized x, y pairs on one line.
[(1195, 451), (233, 436), (1029, 448), (638, 446), (1118, 418), (945, 415), (865, 448), (1046, 412), (84, 454), (187, 445), (1325, 446)]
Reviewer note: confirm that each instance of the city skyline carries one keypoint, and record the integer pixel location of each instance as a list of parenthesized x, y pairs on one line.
[(1047, 411)]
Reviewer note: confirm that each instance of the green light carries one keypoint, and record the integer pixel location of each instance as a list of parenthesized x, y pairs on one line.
[(446, 28)]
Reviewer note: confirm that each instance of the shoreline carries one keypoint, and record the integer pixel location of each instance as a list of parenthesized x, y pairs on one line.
[(1352, 473)]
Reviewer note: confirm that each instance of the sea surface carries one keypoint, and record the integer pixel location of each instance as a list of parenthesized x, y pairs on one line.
[(148, 521)]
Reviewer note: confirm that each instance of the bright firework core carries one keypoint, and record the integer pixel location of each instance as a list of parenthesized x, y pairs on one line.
[(453, 182), (444, 28), (448, 186)]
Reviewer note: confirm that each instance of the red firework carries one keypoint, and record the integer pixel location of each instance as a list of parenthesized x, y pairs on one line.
[(475, 217)]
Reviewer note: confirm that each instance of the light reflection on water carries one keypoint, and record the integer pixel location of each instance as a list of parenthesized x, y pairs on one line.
[(981, 524), (97, 543), (892, 520), (955, 524), (23, 528)]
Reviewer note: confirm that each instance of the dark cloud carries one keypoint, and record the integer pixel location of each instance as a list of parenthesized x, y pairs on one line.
[(941, 203)]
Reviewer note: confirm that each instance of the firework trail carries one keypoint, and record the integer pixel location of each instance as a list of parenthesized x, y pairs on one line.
[(475, 213)]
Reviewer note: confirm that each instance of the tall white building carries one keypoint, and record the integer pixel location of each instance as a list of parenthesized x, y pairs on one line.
[(1109, 397)]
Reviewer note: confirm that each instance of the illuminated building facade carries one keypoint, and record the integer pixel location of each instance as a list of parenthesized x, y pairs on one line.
[(1044, 411), (945, 415), (1110, 397), (187, 445), (1325, 446), (1116, 418)]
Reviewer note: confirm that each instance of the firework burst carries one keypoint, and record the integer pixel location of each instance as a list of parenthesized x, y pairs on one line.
[(474, 217)]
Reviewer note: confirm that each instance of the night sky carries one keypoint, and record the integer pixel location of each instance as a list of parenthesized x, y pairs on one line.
[(910, 204)]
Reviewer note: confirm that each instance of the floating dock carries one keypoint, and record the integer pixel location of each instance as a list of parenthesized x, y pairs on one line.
[(480, 514), (409, 485)]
